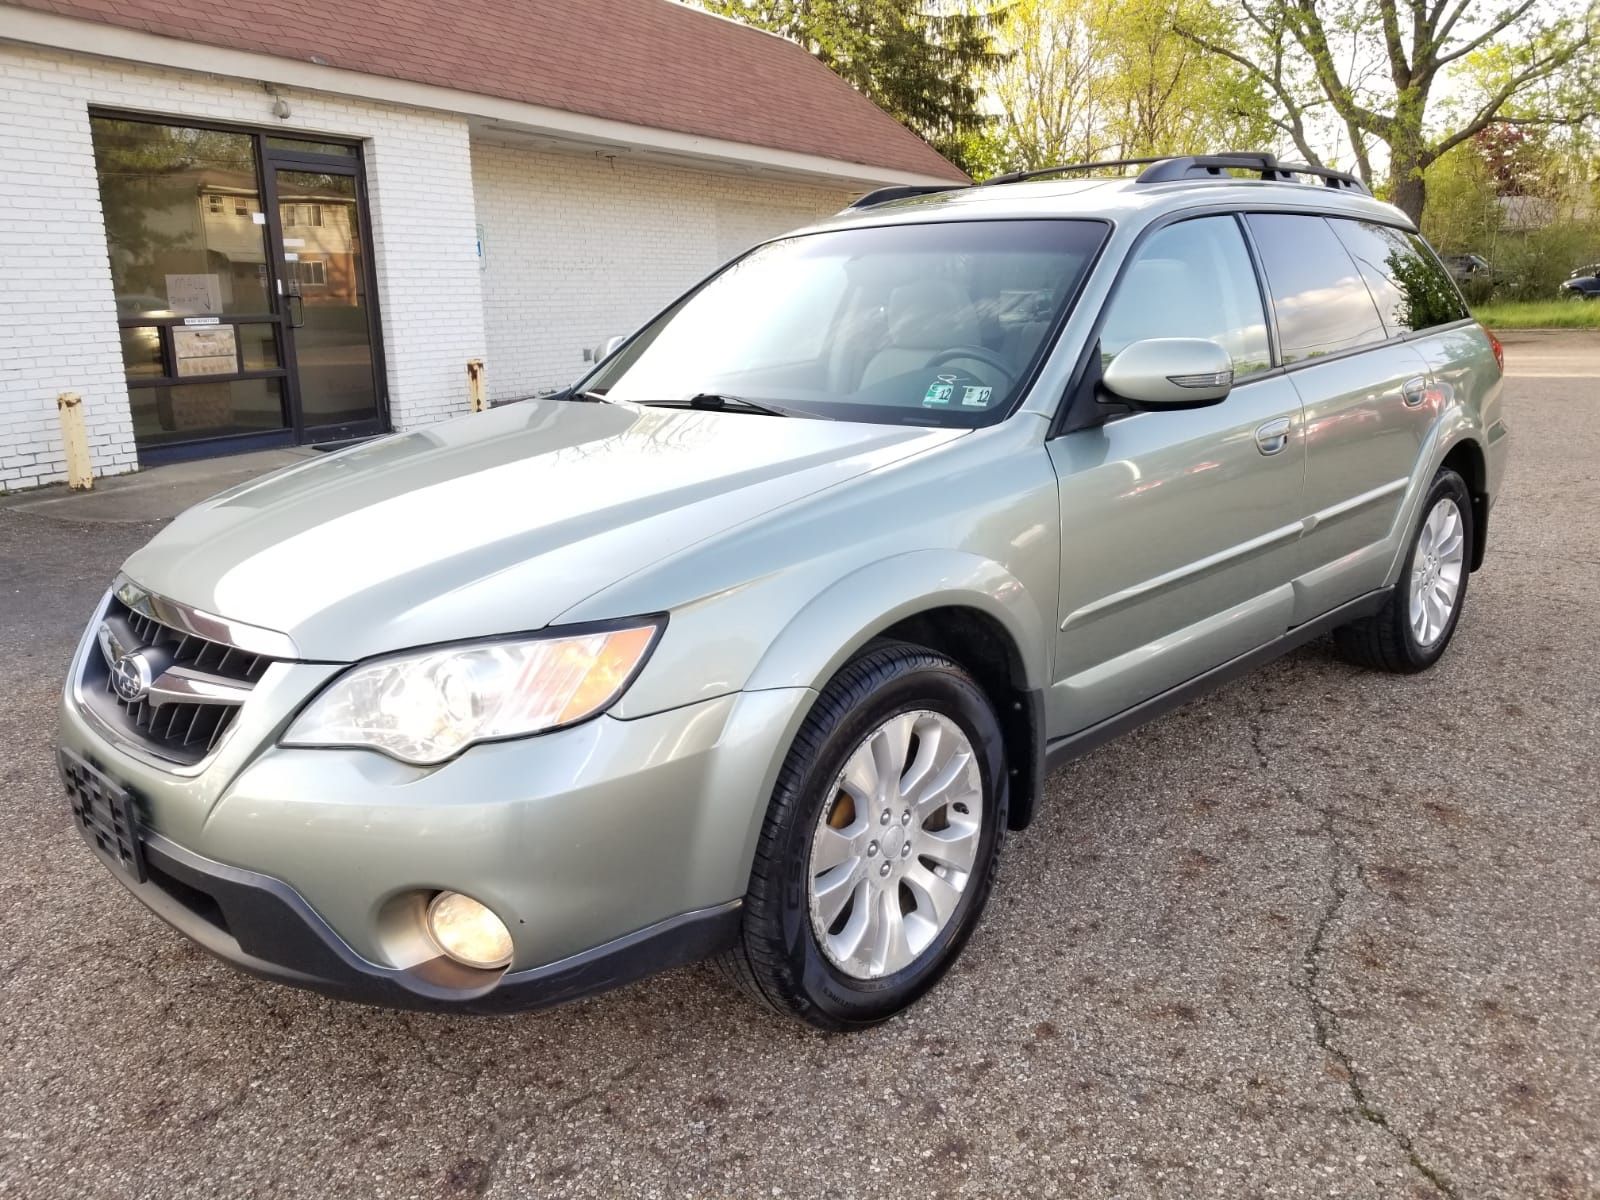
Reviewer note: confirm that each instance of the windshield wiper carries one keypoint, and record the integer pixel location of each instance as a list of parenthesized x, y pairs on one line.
[(717, 402)]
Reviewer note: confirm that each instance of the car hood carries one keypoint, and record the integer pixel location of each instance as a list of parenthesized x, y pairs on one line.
[(493, 523)]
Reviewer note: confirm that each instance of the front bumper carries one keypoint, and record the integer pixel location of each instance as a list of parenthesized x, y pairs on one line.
[(263, 926), (611, 849)]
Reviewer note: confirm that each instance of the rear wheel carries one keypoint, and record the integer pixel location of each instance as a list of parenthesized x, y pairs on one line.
[(879, 845), (1410, 632)]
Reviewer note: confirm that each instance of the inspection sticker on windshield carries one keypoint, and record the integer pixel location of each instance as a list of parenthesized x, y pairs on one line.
[(976, 397), (938, 394)]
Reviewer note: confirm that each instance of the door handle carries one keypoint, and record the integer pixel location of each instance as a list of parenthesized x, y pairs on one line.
[(1273, 436), (1414, 391)]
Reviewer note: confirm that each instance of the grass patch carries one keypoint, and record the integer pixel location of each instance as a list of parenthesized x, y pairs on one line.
[(1539, 314)]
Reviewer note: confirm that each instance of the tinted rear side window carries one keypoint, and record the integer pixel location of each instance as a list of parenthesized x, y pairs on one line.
[(1411, 289), (1321, 303)]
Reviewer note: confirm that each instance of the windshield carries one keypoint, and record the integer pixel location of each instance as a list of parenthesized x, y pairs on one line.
[(934, 324)]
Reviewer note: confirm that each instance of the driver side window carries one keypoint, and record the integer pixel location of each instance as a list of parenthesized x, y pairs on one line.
[(1192, 279)]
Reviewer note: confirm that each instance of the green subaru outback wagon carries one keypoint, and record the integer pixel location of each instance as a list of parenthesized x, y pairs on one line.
[(756, 642)]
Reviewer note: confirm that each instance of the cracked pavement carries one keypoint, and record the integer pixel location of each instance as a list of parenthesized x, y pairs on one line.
[(1324, 933)]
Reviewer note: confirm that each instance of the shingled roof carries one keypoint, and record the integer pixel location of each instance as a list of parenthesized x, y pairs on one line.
[(654, 63)]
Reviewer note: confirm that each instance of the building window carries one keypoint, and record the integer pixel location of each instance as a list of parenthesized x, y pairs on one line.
[(241, 208), (214, 205), (313, 272)]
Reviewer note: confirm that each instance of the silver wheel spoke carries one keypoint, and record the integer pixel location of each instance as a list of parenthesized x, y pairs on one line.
[(938, 895), (955, 846), (933, 749), (832, 848), (889, 747), (949, 784), (893, 951), (872, 848), (831, 889), (860, 777), (850, 940)]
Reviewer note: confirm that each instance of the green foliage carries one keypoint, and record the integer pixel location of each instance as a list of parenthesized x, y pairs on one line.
[(1096, 79), (1529, 205), (923, 63), (1539, 314)]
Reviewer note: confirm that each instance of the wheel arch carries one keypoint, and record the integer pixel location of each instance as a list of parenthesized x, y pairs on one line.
[(1468, 460), (966, 607)]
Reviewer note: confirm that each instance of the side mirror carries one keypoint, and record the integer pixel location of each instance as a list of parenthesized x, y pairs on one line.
[(607, 348), (1171, 373)]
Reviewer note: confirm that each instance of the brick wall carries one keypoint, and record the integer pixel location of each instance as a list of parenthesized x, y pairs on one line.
[(580, 247), (58, 327)]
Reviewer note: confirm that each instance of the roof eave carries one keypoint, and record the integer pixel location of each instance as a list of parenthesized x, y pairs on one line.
[(72, 35)]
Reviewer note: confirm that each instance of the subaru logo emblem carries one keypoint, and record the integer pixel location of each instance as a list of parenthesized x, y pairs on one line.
[(130, 677)]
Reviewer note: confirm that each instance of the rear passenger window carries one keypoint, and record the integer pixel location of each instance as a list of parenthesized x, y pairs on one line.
[(1409, 286), (1192, 279), (1321, 303)]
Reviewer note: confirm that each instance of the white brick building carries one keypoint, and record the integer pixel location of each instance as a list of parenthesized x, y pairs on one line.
[(223, 238)]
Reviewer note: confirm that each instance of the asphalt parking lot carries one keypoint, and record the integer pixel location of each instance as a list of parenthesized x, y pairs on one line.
[(1324, 933)]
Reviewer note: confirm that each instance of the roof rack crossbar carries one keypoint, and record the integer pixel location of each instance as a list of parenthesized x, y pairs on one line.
[(903, 191), (1202, 166)]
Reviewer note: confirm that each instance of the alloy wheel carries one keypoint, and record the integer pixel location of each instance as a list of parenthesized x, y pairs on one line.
[(895, 845), (1436, 569)]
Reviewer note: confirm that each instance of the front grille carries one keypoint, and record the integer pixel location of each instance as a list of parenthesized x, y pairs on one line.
[(196, 688)]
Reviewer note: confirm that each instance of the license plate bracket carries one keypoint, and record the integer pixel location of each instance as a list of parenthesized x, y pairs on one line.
[(106, 815)]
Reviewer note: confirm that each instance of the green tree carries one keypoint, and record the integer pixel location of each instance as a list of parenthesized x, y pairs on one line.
[(1378, 66), (1093, 79), (924, 63)]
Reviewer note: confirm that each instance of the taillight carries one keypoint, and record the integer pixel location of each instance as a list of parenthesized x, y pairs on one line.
[(1499, 350)]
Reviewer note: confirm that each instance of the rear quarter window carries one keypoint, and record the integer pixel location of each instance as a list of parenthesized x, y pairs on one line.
[(1320, 300), (1411, 289)]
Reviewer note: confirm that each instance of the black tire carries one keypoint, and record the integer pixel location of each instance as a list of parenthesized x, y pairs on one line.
[(1385, 641), (777, 958)]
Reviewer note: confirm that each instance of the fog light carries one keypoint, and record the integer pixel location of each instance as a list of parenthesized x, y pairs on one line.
[(468, 932)]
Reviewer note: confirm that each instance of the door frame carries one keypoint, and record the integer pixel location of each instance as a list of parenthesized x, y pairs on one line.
[(272, 160), (267, 160)]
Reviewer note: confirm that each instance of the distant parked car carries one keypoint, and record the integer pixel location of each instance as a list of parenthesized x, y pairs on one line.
[(1472, 273), (1582, 284)]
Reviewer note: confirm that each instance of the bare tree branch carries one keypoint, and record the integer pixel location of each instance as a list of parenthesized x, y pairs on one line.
[(1498, 26)]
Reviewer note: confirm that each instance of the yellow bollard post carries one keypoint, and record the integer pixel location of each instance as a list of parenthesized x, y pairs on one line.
[(80, 473), (475, 397)]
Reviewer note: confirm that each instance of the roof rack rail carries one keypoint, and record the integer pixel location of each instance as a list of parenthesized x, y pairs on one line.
[(903, 191), (1063, 168), (1169, 168), (1210, 166)]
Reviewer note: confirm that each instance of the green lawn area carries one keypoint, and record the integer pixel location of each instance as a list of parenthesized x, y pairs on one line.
[(1539, 314)]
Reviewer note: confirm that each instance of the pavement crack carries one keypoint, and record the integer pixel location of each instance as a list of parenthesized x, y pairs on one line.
[(1342, 863)]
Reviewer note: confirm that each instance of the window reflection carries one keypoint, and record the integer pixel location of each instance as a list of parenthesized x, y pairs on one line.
[(1412, 291), (1322, 305), (1192, 279), (182, 209)]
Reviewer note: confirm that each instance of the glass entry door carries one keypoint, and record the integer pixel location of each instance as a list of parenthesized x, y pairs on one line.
[(243, 286), (322, 268)]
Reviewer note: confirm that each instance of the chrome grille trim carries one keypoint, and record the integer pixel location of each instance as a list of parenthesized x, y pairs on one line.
[(180, 704), (252, 639)]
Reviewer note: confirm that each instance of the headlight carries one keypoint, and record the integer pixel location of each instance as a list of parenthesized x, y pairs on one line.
[(425, 707)]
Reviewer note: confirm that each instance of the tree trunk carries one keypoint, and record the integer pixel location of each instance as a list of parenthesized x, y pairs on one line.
[(1410, 189)]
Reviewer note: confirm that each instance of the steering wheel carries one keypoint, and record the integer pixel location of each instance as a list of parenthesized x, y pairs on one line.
[(978, 354)]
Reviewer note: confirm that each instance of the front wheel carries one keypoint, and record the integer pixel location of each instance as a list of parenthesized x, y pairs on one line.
[(879, 846), (1410, 632)]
